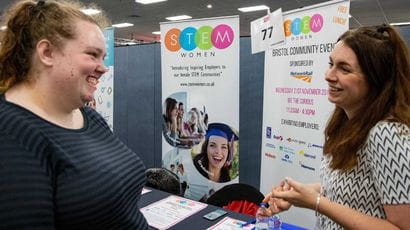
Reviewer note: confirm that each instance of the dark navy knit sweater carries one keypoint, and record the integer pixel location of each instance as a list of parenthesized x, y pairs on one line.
[(57, 178)]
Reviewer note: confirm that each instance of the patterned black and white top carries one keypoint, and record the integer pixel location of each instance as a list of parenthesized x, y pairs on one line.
[(382, 175)]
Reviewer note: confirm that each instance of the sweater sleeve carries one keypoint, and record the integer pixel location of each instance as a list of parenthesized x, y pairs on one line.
[(389, 146), (26, 191)]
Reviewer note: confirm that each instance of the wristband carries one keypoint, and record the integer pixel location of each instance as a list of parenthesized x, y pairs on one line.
[(317, 204)]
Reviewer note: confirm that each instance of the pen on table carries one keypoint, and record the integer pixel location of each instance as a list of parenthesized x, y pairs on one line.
[(251, 221)]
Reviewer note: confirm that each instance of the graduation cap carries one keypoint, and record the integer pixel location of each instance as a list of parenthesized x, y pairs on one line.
[(221, 130)]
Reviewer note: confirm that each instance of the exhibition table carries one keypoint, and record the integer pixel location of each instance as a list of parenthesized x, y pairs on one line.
[(196, 221)]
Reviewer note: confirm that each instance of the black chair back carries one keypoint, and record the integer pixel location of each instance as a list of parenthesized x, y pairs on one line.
[(164, 180), (234, 192)]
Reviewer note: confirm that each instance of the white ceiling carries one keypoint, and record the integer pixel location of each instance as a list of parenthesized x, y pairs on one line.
[(146, 18)]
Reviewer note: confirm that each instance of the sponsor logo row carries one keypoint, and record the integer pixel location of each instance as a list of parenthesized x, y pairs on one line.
[(288, 150), (288, 159), (269, 135)]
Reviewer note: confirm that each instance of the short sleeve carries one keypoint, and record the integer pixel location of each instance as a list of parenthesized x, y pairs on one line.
[(389, 156), (26, 193)]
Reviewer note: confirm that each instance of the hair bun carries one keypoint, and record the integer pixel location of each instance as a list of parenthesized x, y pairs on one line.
[(41, 3), (382, 28)]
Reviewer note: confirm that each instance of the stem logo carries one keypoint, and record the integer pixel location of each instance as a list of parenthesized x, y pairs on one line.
[(303, 25), (206, 37)]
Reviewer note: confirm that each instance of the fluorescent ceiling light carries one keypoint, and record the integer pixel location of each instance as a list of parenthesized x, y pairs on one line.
[(400, 23), (156, 32), (179, 17), (91, 11), (121, 25), (149, 1), (125, 43), (253, 8)]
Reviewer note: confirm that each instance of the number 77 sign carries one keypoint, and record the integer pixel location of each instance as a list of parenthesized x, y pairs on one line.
[(267, 31)]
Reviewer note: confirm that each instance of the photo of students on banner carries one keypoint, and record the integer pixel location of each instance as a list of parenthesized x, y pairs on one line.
[(214, 161), (180, 129)]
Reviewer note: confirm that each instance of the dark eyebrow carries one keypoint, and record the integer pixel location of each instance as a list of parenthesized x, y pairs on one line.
[(339, 63), (212, 142), (344, 63)]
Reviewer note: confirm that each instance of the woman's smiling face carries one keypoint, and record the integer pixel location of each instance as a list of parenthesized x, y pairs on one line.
[(348, 87), (217, 152), (79, 64)]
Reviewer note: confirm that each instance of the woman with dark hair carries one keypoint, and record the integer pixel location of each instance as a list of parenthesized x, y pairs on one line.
[(170, 115), (365, 173), (169, 127), (214, 161)]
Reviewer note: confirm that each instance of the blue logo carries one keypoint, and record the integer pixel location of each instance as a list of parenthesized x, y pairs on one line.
[(268, 132), (287, 159)]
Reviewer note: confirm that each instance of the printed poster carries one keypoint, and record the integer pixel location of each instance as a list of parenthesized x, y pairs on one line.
[(296, 107), (103, 101), (200, 98)]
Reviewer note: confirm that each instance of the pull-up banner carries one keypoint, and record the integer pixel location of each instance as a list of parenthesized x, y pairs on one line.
[(104, 95), (200, 96), (296, 107)]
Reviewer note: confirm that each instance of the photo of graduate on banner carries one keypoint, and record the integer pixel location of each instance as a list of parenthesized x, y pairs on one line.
[(215, 159)]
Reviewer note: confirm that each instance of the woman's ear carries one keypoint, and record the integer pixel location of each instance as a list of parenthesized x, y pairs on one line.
[(45, 52)]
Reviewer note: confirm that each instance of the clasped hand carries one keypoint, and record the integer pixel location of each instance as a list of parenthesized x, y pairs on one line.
[(289, 193)]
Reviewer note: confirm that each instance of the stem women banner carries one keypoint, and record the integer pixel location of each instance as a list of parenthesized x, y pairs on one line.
[(200, 96), (296, 107)]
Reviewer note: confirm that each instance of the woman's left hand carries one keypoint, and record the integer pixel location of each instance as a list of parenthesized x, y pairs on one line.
[(299, 195)]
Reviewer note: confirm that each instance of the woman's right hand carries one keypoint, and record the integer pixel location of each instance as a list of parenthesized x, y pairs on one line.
[(277, 205)]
